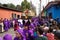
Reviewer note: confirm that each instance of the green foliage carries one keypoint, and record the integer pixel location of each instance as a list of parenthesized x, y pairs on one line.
[(0, 4), (25, 5), (11, 6), (18, 7), (4, 5)]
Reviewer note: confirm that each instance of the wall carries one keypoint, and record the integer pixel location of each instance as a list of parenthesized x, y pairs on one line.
[(44, 3), (55, 12), (4, 13)]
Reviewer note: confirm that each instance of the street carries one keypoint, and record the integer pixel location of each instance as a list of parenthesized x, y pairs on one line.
[(10, 31)]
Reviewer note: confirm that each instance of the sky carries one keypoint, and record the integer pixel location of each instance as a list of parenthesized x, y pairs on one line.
[(36, 3), (18, 1)]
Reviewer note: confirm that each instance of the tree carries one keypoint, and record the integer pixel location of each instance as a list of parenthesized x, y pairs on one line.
[(0, 4), (25, 5), (11, 6), (4, 5), (18, 7)]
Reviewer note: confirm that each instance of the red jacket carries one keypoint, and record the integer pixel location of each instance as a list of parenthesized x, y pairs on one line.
[(16, 27)]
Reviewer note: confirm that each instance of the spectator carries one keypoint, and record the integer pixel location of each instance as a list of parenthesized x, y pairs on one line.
[(16, 26), (50, 34), (40, 35)]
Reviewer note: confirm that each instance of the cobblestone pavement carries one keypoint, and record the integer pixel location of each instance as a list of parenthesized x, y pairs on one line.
[(10, 31)]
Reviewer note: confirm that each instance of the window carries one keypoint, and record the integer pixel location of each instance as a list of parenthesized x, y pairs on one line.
[(18, 16), (13, 16)]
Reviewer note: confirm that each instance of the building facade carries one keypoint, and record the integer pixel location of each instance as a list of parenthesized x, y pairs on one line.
[(9, 13), (52, 10)]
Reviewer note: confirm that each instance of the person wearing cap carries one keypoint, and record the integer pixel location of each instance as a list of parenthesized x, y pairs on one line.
[(7, 37)]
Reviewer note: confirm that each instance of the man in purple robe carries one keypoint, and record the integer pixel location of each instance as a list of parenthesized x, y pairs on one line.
[(31, 31), (32, 25), (5, 24), (9, 23), (25, 30), (28, 32), (7, 37)]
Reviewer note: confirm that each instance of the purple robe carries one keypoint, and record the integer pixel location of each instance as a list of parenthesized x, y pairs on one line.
[(6, 25), (31, 32), (32, 25), (18, 38), (34, 18), (9, 23), (0, 38), (21, 25), (7, 37), (20, 31), (36, 22), (25, 31)]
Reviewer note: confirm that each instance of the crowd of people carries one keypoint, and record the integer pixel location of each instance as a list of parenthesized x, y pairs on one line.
[(33, 29)]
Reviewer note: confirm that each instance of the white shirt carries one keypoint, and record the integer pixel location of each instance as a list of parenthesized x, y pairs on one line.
[(26, 21), (20, 20)]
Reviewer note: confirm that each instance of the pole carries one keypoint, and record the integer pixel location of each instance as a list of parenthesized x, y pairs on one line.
[(40, 9)]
